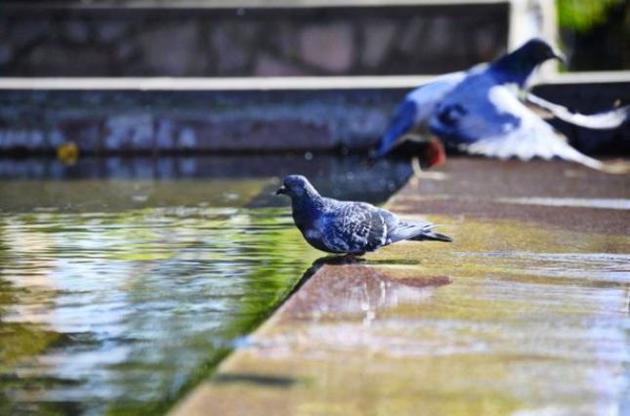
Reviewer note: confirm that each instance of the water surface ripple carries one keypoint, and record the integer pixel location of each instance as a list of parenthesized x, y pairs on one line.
[(117, 312)]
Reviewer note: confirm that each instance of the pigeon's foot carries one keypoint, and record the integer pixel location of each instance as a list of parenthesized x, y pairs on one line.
[(339, 260), (354, 258)]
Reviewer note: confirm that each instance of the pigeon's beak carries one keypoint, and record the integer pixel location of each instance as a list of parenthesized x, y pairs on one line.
[(282, 190)]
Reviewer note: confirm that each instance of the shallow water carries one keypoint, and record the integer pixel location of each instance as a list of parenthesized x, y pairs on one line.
[(118, 294), (114, 312)]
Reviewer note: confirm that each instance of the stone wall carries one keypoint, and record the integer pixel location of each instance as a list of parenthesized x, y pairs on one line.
[(128, 122), (110, 42), (164, 122)]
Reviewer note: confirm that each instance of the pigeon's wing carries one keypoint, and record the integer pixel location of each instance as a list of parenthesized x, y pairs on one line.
[(507, 128), (406, 230), (353, 227), (401, 124), (604, 120), (398, 230), (466, 114), (415, 111)]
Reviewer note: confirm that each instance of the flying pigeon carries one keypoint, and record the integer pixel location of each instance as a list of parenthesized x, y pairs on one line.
[(345, 227), (478, 111)]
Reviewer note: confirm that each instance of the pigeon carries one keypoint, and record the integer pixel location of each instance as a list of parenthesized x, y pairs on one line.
[(479, 112), (345, 227)]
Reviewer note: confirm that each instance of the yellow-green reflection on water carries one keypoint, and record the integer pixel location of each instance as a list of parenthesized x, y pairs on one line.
[(120, 312), (119, 294)]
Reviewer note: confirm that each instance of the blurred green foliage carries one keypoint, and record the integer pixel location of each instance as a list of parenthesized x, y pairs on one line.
[(581, 15)]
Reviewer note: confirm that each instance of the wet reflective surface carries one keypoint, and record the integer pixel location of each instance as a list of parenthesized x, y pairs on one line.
[(117, 183), (118, 311), (119, 294), (526, 313)]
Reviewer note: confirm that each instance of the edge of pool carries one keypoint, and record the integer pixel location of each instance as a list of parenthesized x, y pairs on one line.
[(248, 373)]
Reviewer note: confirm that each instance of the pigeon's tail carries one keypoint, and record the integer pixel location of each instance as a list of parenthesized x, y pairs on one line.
[(536, 139), (605, 120), (400, 125), (432, 236), (417, 231)]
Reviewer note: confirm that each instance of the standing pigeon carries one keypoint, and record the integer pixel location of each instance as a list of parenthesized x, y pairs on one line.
[(479, 112), (348, 227)]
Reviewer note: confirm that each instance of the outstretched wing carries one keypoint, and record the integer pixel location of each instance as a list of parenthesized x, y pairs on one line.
[(604, 120), (507, 128), (415, 111), (401, 124), (466, 114), (354, 227)]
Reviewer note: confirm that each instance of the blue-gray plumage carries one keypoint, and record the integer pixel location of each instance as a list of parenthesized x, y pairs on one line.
[(479, 112), (345, 227)]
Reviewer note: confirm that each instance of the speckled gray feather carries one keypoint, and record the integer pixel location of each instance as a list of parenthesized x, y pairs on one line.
[(348, 227)]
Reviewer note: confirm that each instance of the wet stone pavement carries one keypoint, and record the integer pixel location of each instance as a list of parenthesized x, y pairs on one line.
[(526, 313)]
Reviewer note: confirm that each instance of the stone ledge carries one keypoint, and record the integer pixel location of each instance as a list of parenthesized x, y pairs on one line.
[(275, 120), (494, 323)]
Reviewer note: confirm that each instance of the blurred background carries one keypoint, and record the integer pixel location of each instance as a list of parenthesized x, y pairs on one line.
[(147, 76), (213, 38), (141, 140)]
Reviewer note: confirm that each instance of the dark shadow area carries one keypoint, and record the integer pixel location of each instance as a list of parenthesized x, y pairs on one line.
[(258, 379), (338, 260), (603, 45)]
